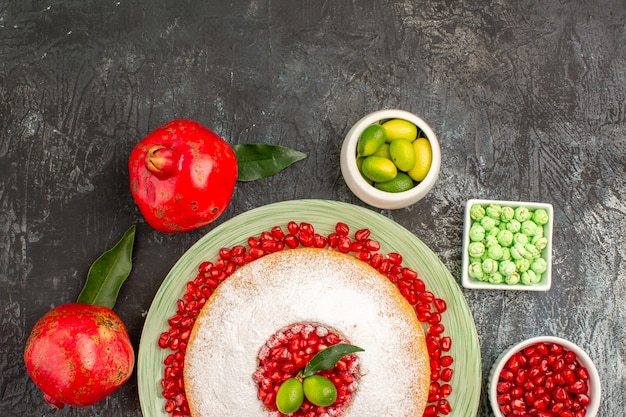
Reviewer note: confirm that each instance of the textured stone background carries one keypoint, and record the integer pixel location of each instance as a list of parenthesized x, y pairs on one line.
[(527, 99)]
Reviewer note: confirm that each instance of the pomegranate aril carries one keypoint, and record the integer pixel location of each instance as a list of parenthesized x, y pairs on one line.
[(307, 228), (446, 343), (446, 374), (578, 387), (582, 373), (164, 340), (503, 387), (361, 235), (344, 245), (395, 258), (291, 241), (443, 407), (372, 245), (342, 229), (293, 227)]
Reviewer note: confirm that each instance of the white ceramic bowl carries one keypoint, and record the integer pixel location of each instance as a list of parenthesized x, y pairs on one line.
[(594, 384), (368, 193), (546, 253)]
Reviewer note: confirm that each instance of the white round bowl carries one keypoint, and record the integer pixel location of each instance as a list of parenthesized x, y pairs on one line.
[(594, 384), (368, 193)]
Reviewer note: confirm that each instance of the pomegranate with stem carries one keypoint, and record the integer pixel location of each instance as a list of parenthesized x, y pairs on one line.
[(79, 353)]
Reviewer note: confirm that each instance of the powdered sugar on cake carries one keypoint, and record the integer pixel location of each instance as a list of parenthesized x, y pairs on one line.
[(299, 286)]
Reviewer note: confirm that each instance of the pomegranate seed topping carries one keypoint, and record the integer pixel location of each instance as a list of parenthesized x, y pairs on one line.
[(372, 245), (293, 227), (344, 245), (277, 232), (395, 258), (295, 355), (361, 235), (342, 229), (446, 374), (307, 228), (446, 343), (286, 353)]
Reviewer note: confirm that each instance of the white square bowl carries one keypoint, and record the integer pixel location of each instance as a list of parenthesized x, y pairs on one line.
[(546, 278)]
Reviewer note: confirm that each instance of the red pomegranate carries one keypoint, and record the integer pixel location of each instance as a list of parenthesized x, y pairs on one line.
[(78, 354)]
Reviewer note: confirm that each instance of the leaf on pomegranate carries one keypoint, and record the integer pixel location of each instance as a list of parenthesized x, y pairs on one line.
[(259, 160), (328, 358), (108, 273)]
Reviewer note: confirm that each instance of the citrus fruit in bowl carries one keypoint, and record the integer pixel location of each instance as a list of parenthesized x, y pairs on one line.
[(390, 159)]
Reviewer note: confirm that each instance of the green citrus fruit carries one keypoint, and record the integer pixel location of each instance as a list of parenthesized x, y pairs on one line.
[(319, 390), (290, 396), (402, 182), (370, 140), (402, 154), (400, 129), (423, 159), (383, 151), (379, 169)]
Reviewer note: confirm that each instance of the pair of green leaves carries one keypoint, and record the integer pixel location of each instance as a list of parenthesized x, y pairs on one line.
[(258, 160)]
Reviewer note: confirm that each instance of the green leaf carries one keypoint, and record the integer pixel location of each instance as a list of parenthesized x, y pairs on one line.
[(108, 272), (328, 358), (258, 160)]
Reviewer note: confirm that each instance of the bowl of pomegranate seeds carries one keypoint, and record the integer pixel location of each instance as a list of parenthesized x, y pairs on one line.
[(546, 377)]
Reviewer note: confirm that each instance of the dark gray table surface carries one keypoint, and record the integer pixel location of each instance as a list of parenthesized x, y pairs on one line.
[(528, 100)]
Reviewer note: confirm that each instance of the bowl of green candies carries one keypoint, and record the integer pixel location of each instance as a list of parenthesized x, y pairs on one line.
[(507, 245)]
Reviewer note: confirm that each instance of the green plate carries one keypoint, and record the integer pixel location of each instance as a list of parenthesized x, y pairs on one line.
[(323, 215)]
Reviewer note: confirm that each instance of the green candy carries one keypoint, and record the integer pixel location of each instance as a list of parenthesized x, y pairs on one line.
[(496, 278), (532, 251), (506, 268), (522, 214), (505, 237), (522, 265), (540, 242), (529, 228), (529, 277), (477, 212), (520, 239), (489, 266), (475, 270), (476, 249), (495, 251), (490, 240), (518, 251), (512, 279), (514, 226), (539, 266), (487, 223), (476, 233), (540, 217), (493, 211), (507, 214)]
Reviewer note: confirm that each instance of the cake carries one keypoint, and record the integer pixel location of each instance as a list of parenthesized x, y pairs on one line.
[(315, 287)]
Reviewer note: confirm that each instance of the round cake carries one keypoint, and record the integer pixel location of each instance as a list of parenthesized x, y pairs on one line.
[(306, 285)]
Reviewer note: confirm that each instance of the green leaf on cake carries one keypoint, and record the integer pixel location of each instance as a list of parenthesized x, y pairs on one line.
[(328, 358)]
